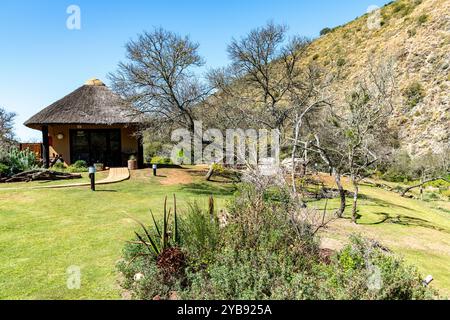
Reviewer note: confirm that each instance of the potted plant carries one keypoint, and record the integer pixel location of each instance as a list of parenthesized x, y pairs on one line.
[(132, 163)]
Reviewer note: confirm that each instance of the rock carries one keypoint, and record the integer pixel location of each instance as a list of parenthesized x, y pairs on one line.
[(173, 296)]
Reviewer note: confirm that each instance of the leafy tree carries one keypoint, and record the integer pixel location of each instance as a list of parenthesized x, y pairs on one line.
[(325, 31), (6, 129)]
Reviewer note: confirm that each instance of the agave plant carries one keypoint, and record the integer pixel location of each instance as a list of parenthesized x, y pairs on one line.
[(165, 236)]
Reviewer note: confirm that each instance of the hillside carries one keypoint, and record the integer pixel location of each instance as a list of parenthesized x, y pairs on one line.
[(416, 35)]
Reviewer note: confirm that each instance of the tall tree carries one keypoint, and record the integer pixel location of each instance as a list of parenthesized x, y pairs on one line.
[(263, 73), (159, 78), (270, 85), (6, 128), (354, 135)]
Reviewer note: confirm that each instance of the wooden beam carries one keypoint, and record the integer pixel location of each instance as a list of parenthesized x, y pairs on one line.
[(45, 147), (140, 157)]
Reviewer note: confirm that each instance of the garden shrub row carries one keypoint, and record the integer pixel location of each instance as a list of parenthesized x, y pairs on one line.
[(259, 250)]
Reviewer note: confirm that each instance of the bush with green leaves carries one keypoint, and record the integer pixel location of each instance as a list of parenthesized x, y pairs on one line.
[(18, 161), (422, 19), (4, 170), (325, 31), (152, 149), (78, 167), (364, 270), (156, 256), (59, 166), (264, 252), (414, 94), (200, 234), (161, 160), (80, 164), (73, 169)]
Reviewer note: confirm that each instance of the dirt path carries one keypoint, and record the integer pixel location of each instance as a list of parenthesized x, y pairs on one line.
[(170, 177)]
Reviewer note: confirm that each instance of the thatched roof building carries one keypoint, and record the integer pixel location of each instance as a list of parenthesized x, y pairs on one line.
[(93, 103), (92, 124)]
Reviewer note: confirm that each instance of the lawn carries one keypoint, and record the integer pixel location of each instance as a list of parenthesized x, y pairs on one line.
[(43, 232), (417, 230)]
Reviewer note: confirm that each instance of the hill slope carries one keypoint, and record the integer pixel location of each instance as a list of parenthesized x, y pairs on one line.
[(416, 34)]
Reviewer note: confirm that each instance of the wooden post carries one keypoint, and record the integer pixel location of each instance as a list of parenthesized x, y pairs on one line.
[(140, 157), (92, 177), (45, 147)]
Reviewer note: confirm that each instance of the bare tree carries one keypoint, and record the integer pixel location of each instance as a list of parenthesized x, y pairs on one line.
[(362, 125), (270, 85), (159, 78), (353, 135), (310, 93), (428, 168), (263, 72), (6, 129)]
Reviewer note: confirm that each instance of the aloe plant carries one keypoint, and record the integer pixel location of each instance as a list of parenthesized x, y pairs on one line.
[(160, 240)]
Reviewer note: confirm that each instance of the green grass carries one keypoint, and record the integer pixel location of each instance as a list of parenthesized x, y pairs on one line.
[(417, 230), (43, 232)]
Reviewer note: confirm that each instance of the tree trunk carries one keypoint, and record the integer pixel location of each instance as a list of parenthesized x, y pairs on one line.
[(45, 147), (337, 177), (355, 199), (421, 185), (421, 190), (210, 172)]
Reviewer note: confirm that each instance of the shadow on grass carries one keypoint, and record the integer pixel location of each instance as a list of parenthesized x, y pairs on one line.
[(383, 203), (209, 189), (406, 221)]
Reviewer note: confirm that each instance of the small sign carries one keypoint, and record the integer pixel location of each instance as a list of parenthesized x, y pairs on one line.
[(92, 170)]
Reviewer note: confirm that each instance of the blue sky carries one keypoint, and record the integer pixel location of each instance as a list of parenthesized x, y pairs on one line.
[(41, 60)]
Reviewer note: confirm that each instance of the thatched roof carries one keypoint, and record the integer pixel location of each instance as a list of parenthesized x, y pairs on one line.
[(93, 103)]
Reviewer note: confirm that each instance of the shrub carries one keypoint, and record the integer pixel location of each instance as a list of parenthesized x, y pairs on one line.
[(365, 270), (78, 167), (154, 254), (412, 32), (325, 31), (414, 94), (19, 161), (81, 164), (340, 62), (264, 252), (152, 149), (4, 169), (59, 166), (422, 19), (161, 160), (75, 169), (200, 234)]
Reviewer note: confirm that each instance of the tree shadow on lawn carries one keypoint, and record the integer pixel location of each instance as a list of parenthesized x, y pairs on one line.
[(208, 189), (383, 203), (404, 220), (399, 219)]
